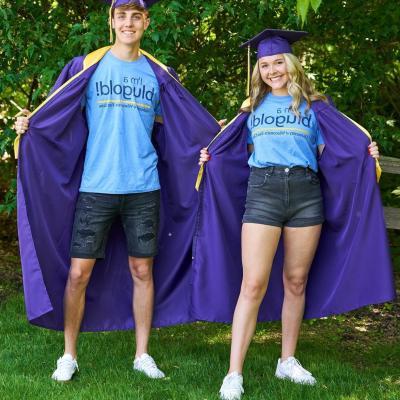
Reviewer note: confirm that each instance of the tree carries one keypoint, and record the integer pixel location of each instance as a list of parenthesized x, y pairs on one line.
[(352, 52)]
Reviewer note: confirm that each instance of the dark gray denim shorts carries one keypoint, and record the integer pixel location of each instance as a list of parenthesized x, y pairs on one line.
[(96, 212), (281, 196)]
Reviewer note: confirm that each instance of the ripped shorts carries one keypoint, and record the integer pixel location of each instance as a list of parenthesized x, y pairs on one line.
[(96, 212)]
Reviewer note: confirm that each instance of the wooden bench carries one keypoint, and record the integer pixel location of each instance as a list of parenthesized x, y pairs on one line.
[(391, 165)]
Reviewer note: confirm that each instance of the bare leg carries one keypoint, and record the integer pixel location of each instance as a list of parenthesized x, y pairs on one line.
[(259, 243), (74, 301), (143, 300), (300, 246)]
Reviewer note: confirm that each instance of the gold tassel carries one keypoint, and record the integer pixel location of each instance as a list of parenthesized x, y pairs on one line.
[(199, 177), (110, 22), (248, 71), (17, 141), (378, 169)]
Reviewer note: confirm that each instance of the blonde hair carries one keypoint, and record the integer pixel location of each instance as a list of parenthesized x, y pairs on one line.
[(299, 86)]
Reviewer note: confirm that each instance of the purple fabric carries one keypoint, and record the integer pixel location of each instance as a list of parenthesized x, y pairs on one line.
[(198, 270), (71, 69), (50, 169), (142, 3), (352, 267), (31, 272), (272, 46), (36, 296)]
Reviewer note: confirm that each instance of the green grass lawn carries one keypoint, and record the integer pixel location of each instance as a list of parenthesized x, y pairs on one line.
[(353, 357)]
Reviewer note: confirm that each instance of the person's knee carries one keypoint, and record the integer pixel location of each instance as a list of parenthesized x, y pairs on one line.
[(295, 285), (141, 270), (253, 290), (78, 277)]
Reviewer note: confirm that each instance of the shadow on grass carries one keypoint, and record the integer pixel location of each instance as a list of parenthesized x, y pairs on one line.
[(353, 356), (195, 358)]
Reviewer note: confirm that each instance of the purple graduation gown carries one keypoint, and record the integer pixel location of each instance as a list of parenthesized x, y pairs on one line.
[(198, 269), (352, 266), (51, 157)]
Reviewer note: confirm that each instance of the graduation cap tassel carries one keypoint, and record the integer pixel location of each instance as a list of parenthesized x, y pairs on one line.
[(110, 22), (248, 72)]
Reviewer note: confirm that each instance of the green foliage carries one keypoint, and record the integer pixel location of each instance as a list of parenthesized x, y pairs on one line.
[(303, 7), (352, 51), (315, 4), (353, 55), (10, 199)]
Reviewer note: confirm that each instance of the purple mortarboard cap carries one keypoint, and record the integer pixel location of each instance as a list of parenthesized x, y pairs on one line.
[(142, 3), (274, 41)]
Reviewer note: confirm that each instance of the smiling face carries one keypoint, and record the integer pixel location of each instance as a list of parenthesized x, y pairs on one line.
[(274, 73), (129, 25)]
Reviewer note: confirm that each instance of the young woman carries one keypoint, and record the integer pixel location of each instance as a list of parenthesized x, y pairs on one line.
[(283, 198)]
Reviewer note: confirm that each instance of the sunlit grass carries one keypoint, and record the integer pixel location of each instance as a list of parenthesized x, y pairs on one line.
[(195, 357)]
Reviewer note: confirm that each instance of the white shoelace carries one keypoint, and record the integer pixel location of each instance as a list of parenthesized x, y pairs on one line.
[(148, 362), (294, 362), (66, 363)]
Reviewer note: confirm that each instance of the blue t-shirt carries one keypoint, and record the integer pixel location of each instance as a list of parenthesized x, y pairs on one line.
[(122, 101), (281, 138)]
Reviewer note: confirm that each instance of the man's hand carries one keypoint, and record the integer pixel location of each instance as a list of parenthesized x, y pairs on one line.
[(22, 123)]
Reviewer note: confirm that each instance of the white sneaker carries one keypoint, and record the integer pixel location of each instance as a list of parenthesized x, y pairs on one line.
[(232, 387), (66, 367), (147, 365), (291, 369)]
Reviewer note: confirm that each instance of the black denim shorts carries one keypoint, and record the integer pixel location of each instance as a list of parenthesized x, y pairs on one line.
[(96, 212), (281, 196)]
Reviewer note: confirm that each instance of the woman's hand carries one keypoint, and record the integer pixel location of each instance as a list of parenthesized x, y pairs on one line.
[(204, 156), (373, 150), (222, 122)]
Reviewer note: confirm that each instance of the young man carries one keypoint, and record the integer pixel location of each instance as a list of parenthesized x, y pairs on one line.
[(119, 180)]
